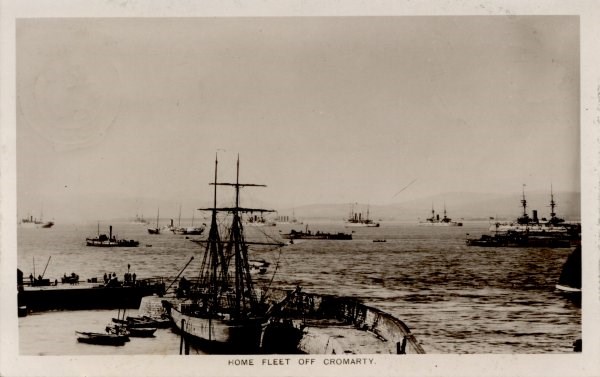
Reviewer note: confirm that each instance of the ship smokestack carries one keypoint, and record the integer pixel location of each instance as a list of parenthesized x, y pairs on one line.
[(110, 232), (535, 217)]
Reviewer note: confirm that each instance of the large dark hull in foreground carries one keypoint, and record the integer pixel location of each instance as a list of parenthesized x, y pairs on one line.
[(219, 336), (320, 324), (86, 296)]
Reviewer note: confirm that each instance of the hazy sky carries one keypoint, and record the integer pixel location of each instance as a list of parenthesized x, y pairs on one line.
[(117, 116)]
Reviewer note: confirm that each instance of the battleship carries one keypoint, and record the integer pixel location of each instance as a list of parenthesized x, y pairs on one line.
[(534, 226), (435, 220), (355, 219)]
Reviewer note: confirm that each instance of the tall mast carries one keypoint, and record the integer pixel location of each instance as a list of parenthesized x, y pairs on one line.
[(552, 203), (524, 202), (236, 251), (179, 219)]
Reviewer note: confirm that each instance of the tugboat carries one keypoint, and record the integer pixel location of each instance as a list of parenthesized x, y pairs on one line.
[(102, 240), (223, 312)]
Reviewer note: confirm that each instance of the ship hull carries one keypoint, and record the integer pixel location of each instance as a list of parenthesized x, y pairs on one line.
[(84, 297), (321, 324), (440, 224), (359, 225), (218, 335), (43, 225)]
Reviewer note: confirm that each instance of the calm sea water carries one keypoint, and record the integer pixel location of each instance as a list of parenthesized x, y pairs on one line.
[(454, 298)]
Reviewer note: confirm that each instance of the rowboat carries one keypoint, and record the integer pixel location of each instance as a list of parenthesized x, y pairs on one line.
[(101, 338)]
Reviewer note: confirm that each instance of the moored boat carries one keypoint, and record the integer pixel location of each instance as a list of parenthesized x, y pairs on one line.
[(222, 312), (104, 339), (325, 324), (155, 230), (134, 332)]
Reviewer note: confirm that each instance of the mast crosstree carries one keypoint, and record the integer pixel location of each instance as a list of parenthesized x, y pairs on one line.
[(218, 277)]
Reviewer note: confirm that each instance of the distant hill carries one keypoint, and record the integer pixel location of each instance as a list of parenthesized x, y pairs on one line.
[(467, 206)]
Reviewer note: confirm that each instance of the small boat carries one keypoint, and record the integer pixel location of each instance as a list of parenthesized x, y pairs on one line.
[(379, 240), (134, 332), (102, 240), (258, 266), (155, 230), (143, 322), (103, 339)]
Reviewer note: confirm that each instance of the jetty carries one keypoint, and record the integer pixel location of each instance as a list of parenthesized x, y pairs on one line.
[(88, 295)]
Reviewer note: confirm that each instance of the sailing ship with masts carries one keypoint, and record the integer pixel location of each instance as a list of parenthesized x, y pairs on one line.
[(155, 230), (187, 230), (223, 312)]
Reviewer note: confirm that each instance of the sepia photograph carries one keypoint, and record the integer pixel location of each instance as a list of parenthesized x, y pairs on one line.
[(324, 194)]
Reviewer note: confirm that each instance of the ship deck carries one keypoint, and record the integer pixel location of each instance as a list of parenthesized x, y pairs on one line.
[(333, 336)]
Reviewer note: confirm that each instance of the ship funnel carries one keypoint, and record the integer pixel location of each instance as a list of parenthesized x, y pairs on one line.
[(535, 217), (110, 232), (171, 222)]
